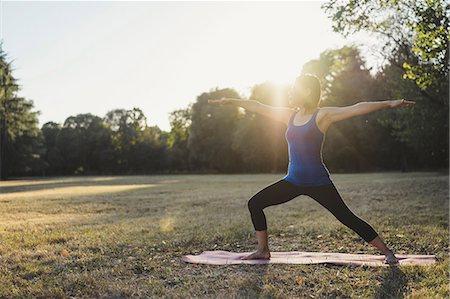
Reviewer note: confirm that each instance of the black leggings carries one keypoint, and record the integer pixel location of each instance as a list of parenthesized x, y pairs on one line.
[(282, 191)]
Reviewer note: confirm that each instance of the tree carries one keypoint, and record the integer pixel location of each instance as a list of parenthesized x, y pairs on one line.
[(259, 140), (21, 140), (418, 30), (53, 156), (414, 37), (177, 141), (211, 133), (136, 147), (82, 141), (359, 143)]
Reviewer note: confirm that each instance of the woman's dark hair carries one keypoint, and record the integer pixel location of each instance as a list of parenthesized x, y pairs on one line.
[(312, 82)]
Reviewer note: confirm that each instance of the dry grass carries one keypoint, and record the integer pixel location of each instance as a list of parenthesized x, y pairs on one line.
[(123, 236)]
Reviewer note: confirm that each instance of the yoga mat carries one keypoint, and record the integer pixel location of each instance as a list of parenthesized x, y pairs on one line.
[(222, 257)]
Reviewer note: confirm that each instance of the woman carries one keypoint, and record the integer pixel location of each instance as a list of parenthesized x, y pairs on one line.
[(307, 174)]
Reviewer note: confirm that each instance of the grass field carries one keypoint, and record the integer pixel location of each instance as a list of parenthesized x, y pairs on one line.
[(123, 236)]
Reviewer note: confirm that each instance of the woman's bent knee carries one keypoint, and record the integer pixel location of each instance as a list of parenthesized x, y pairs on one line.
[(253, 204)]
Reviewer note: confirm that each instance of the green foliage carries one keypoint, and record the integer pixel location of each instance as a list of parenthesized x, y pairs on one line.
[(259, 140), (359, 143), (211, 133), (21, 140), (177, 139), (414, 38), (425, 121), (81, 142), (417, 30)]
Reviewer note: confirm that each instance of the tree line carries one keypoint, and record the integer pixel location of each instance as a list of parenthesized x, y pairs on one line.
[(227, 139)]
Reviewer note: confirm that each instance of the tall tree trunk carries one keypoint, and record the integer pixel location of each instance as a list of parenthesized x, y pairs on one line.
[(4, 136)]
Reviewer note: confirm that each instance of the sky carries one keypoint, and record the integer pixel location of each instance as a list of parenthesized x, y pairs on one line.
[(93, 57)]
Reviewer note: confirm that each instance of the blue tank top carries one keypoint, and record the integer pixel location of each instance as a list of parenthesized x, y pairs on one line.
[(305, 143)]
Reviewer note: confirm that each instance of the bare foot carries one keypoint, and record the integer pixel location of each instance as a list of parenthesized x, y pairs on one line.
[(259, 254), (391, 259)]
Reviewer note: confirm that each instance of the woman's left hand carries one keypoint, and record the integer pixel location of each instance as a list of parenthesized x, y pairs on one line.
[(402, 102)]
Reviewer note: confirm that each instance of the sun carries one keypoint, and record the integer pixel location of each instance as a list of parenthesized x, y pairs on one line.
[(279, 92)]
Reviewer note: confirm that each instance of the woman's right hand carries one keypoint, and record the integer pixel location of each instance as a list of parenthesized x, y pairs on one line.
[(222, 101), (402, 102)]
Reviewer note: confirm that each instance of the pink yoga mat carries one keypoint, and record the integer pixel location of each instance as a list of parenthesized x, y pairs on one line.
[(222, 257)]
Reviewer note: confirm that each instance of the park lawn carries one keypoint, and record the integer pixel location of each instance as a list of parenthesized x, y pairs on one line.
[(123, 236)]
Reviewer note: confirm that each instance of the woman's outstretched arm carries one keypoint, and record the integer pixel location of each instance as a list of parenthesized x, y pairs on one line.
[(281, 114), (334, 114)]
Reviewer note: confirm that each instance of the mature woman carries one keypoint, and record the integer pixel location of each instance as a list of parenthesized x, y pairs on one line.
[(307, 174)]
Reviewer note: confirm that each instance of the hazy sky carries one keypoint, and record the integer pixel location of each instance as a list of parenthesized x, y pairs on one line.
[(80, 57)]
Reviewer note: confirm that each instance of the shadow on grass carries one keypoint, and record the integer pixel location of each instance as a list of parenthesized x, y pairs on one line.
[(393, 285), (252, 286)]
